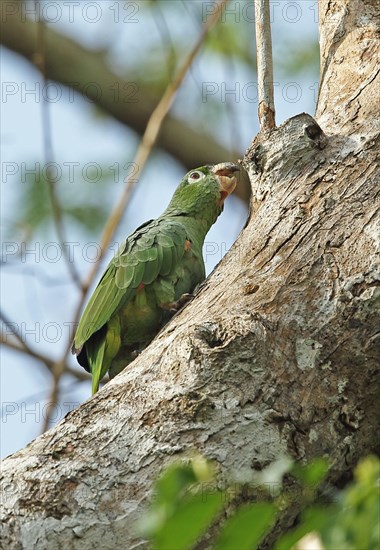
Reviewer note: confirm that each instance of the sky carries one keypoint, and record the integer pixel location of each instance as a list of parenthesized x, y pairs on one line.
[(36, 291)]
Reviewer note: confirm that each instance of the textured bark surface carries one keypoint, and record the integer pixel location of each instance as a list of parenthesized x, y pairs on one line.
[(277, 354)]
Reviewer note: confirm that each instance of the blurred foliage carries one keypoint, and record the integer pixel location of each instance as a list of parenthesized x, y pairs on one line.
[(181, 511), (352, 522), (300, 59), (246, 528), (355, 523), (233, 41), (187, 501), (34, 211)]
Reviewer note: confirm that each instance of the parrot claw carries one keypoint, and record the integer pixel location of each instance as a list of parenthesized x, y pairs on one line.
[(174, 307)]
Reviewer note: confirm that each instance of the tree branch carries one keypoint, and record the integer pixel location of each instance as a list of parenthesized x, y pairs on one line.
[(264, 65)]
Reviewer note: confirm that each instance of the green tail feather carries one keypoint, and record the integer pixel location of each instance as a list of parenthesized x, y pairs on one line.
[(101, 350), (95, 354)]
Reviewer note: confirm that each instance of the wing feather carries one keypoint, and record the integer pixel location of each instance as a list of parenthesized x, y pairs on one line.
[(152, 251)]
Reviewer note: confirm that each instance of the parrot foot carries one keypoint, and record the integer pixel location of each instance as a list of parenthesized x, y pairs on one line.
[(173, 307)]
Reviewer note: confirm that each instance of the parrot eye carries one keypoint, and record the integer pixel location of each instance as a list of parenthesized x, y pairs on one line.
[(195, 176)]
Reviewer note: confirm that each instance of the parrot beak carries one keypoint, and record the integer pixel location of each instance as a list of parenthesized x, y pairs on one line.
[(224, 173)]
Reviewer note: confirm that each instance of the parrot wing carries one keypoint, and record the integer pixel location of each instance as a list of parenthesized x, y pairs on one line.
[(153, 250)]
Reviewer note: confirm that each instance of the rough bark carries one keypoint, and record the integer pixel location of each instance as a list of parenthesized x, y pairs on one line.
[(129, 102), (277, 354)]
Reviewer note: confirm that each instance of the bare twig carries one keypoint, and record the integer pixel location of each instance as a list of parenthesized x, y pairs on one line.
[(40, 62), (13, 327), (264, 65), (167, 42), (12, 344), (57, 371), (59, 367)]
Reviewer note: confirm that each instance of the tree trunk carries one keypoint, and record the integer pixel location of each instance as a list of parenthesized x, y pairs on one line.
[(278, 352)]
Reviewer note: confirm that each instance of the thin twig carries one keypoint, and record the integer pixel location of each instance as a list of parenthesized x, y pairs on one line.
[(264, 65), (59, 367), (40, 61), (229, 72), (13, 327), (167, 42), (58, 370), (12, 344)]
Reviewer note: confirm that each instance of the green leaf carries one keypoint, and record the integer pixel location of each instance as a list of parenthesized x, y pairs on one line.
[(188, 522), (350, 523), (173, 490), (356, 516), (246, 528), (312, 519), (312, 474), (172, 483)]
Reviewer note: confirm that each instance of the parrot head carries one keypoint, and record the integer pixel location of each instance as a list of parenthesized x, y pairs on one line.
[(202, 191)]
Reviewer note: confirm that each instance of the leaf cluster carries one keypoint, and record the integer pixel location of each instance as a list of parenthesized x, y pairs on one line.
[(188, 505)]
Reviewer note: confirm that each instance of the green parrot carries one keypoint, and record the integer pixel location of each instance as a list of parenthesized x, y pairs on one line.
[(151, 275)]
